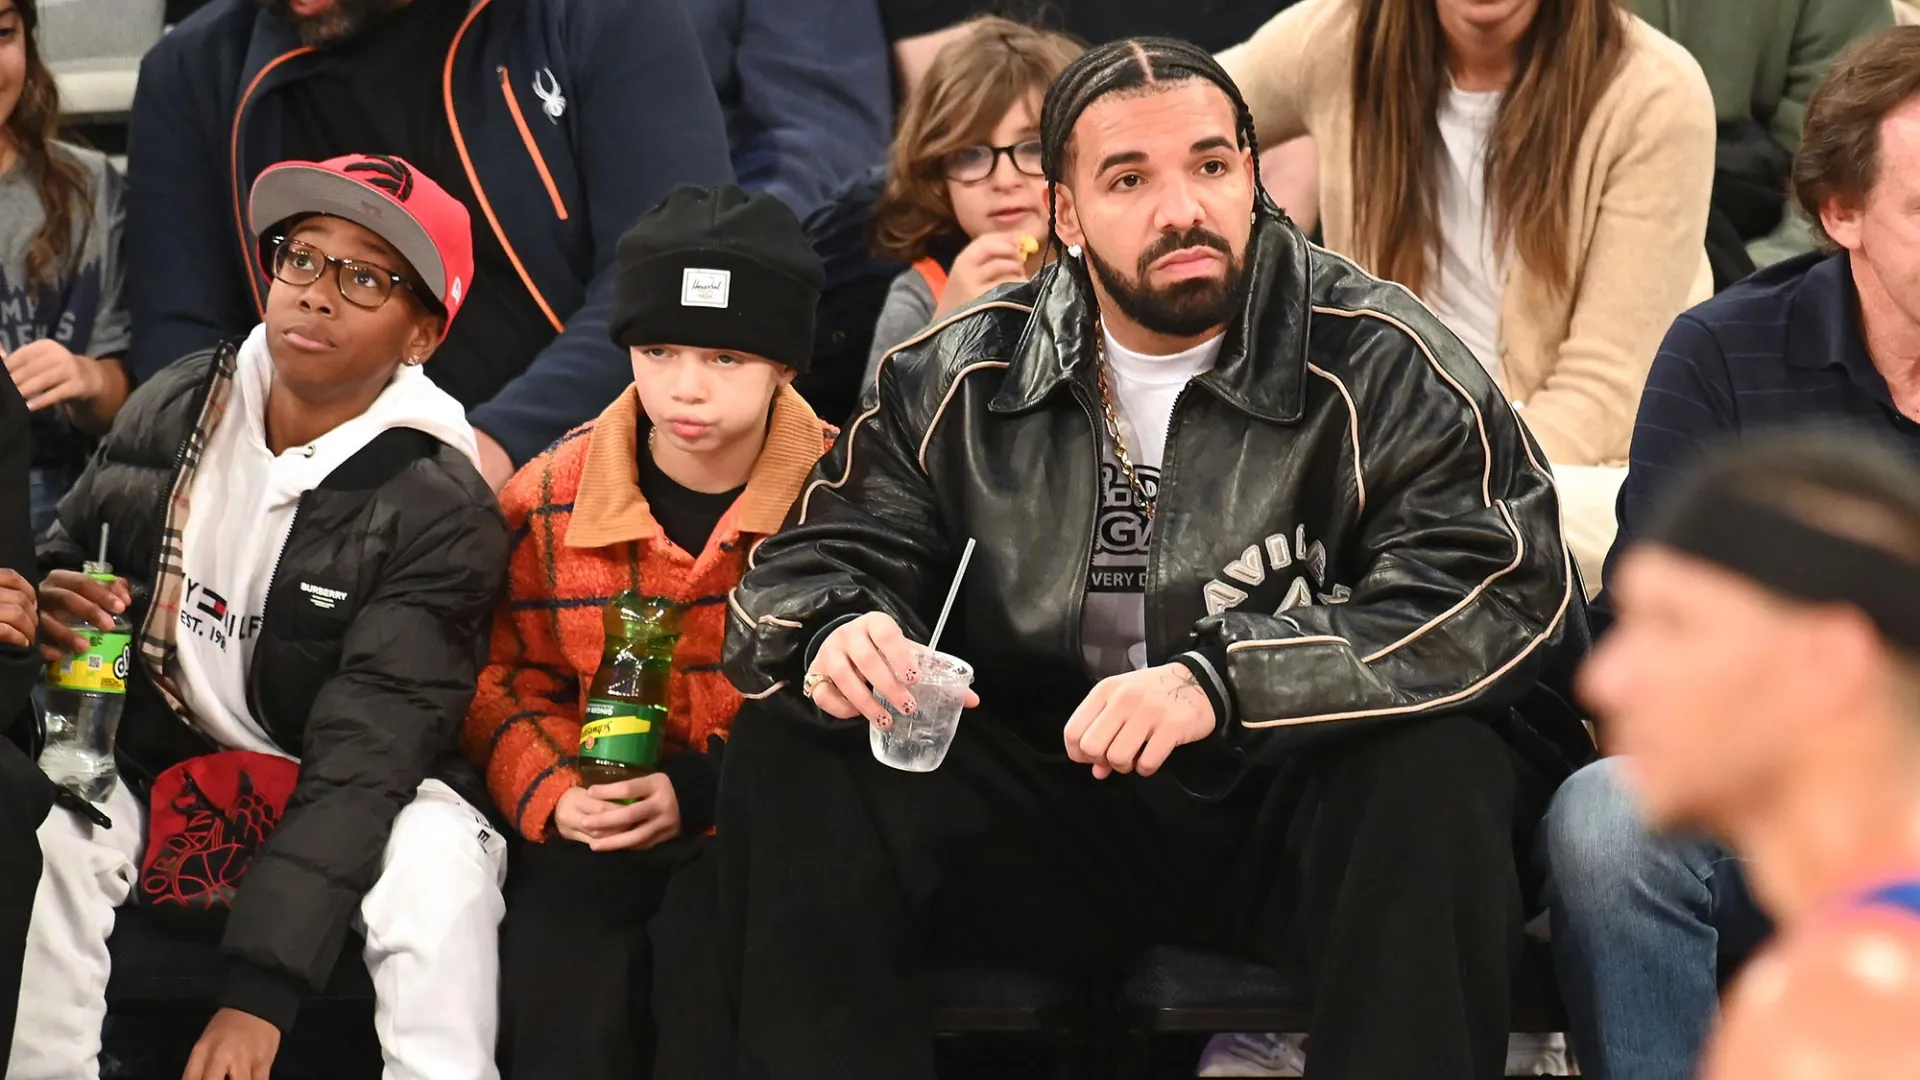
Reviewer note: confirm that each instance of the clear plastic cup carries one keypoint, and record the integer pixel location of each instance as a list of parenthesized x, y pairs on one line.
[(919, 742)]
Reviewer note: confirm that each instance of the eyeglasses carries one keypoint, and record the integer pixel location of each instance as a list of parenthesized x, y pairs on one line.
[(971, 163), (362, 284)]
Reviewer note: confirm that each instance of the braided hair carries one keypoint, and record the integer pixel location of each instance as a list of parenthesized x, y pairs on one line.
[(1131, 65)]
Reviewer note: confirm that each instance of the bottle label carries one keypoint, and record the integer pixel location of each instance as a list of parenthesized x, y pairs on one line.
[(101, 669), (625, 732)]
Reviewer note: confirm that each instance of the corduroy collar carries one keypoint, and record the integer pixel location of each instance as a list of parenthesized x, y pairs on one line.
[(609, 508)]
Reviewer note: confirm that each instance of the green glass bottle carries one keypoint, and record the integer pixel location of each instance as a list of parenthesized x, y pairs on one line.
[(627, 703)]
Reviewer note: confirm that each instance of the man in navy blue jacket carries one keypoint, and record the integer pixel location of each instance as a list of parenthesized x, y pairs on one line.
[(1644, 925), (807, 91), (557, 123)]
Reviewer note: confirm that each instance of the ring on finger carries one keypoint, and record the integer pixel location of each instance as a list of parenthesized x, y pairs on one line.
[(811, 684)]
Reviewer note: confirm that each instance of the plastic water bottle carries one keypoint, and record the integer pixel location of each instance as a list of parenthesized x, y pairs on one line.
[(81, 701)]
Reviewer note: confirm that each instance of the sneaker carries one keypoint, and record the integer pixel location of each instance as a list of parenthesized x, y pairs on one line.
[(1274, 1054), (1539, 1055), (1254, 1054)]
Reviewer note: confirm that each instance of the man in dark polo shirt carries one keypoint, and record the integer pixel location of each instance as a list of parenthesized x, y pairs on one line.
[(1644, 926)]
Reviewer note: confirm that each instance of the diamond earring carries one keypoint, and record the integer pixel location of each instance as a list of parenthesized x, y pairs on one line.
[(1073, 251)]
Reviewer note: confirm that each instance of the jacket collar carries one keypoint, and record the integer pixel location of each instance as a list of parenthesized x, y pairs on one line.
[(1823, 325), (609, 509), (1262, 364)]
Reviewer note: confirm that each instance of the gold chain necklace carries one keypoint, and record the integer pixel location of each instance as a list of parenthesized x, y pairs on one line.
[(1113, 423)]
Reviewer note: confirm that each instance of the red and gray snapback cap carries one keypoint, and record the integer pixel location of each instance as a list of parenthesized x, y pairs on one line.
[(385, 195)]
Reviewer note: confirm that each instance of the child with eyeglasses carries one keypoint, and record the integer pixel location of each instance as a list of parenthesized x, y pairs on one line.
[(310, 561), (965, 203)]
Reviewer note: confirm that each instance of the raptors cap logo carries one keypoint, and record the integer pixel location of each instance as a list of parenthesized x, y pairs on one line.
[(389, 174)]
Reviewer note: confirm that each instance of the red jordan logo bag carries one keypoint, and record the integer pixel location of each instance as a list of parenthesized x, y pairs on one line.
[(207, 818)]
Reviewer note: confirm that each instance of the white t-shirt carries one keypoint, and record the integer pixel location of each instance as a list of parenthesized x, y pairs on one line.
[(1113, 627), (243, 508), (1473, 276)]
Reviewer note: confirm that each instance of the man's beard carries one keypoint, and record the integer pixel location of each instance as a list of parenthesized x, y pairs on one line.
[(1183, 309), (339, 23)]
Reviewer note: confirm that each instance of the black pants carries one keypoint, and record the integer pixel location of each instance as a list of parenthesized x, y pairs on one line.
[(575, 970), (25, 799), (1382, 869)]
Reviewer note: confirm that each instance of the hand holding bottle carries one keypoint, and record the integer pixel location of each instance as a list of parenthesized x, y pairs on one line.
[(69, 597)]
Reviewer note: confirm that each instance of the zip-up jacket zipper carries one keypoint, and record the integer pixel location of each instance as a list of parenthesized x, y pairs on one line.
[(160, 531), (273, 578), (473, 176), (1077, 617), (533, 148)]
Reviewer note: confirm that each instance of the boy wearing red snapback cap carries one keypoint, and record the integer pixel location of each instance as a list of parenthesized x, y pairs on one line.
[(666, 493), (311, 557)]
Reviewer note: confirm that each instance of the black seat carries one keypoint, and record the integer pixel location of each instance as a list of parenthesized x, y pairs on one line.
[(969, 999), (1178, 990)]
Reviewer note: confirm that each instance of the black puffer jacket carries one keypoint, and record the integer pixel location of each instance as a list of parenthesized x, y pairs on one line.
[(1353, 527), (368, 693)]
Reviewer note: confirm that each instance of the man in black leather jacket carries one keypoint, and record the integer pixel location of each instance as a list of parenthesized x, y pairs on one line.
[(1290, 527)]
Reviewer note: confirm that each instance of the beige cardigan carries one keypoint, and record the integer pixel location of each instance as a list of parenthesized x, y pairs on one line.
[(1574, 363)]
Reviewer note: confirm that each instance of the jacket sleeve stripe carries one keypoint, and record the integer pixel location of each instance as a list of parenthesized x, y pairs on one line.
[(853, 430), (1479, 420), (1486, 493), (1519, 556), (1353, 430), (934, 424)]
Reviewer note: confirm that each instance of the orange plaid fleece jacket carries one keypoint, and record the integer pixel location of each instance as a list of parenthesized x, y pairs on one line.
[(581, 533)]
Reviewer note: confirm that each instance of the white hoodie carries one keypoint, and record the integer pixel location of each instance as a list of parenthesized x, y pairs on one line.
[(243, 503)]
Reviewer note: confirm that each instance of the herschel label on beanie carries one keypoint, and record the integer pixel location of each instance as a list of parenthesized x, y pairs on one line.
[(705, 288)]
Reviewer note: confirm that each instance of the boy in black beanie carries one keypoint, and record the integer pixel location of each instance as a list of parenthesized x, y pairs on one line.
[(665, 494)]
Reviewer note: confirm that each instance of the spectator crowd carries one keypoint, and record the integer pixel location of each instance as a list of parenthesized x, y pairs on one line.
[(1398, 479)]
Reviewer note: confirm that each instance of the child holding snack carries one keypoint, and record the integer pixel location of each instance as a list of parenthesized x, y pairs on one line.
[(965, 202)]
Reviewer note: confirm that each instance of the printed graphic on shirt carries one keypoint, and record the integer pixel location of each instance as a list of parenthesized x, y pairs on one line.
[(205, 614), (1121, 533), (1113, 630), (26, 308)]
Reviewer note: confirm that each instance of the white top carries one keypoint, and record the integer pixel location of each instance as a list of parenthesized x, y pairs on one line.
[(1113, 626), (243, 508), (1472, 276)]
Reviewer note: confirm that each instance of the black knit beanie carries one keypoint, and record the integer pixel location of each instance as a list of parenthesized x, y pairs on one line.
[(717, 268)]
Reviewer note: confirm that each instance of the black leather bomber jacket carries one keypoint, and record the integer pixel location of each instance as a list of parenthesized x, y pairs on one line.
[(1353, 526)]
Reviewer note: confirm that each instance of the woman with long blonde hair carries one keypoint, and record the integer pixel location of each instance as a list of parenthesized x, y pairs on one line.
[(1537, 171)]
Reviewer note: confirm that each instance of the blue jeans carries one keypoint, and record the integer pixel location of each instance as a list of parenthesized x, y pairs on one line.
[(1645, 927)]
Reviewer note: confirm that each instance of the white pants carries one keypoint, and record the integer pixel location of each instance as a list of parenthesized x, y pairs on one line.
[(431, 923), (1587, 494)]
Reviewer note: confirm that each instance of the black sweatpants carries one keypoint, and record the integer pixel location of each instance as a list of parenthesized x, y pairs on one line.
[(575, 969), (1382, 869)]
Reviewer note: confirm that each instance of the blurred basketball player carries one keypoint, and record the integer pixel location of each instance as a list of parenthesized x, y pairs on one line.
[(1763, 681)]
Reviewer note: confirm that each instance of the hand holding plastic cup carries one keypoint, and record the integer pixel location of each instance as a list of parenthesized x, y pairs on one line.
[(918, 741)]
